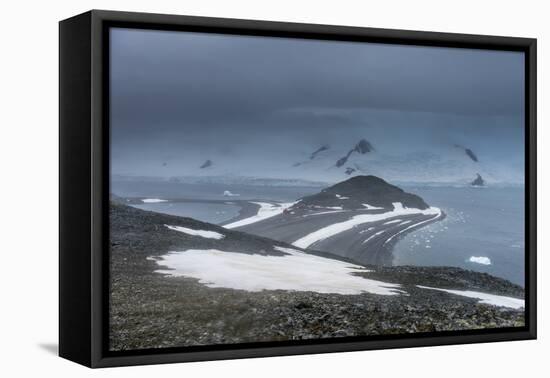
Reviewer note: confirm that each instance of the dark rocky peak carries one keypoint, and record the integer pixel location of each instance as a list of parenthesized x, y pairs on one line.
[(363, 146), (359, 191), (206, 164), (478, 181)]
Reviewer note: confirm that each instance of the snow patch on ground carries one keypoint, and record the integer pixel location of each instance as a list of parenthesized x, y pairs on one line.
[(393, 221), (324, 212), (203, 233), (227, 193), (341, 197), (369, 207), (296, 271), (491, 299), (480, 260), (153, 200), (336, 228), (373, 236), (266, 210), (328, 207)]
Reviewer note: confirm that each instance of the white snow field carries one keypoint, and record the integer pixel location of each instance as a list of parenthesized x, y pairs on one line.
[(295, 271), (336, 228), (491, 299), (203, 233), (266, 210), (153, 200), (480, 260)]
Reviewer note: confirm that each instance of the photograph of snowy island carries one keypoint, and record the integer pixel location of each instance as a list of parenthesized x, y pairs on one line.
[(271, 189)]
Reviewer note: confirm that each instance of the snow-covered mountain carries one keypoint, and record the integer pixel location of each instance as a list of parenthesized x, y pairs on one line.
[(446, 163), (396, 155), (440, 163)]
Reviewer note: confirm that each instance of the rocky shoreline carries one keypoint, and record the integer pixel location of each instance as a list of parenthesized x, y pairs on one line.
[(153, 310)]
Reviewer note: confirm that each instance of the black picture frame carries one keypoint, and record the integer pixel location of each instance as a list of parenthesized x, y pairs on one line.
[(84, 186)]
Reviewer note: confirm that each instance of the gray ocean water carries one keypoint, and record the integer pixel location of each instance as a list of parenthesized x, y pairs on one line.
[(480, 222), (207, 212)]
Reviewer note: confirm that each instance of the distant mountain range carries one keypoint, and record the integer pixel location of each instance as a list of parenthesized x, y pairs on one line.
[(444, 163)]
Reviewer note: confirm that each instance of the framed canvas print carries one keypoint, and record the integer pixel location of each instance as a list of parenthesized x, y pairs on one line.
[(233, 188)]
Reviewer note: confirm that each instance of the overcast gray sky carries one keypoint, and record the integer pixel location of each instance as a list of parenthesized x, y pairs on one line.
[(174, 91)]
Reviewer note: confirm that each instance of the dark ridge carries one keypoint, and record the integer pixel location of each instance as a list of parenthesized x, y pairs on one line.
[(317, 151), (343, 160), (361, 190), (147, 234), (471, 154)]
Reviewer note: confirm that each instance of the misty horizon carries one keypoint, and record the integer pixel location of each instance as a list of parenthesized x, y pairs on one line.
[(257, 106)]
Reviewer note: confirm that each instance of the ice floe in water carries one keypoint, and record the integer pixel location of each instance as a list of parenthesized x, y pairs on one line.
[(295, 271), (491, 299), (203, 233), (480, 260)]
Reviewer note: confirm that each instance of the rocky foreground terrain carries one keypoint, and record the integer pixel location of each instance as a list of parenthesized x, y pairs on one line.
[(153, 310)]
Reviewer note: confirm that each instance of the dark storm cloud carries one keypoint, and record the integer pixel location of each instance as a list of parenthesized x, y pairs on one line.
[(179, 99), (162, 80)]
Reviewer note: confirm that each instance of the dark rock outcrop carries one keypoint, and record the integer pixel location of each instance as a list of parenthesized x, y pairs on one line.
[(206, 164), (471, 154), (478, 181), (362, 147), (468, 152), (317, 151), (343, 160), (350, 170)]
